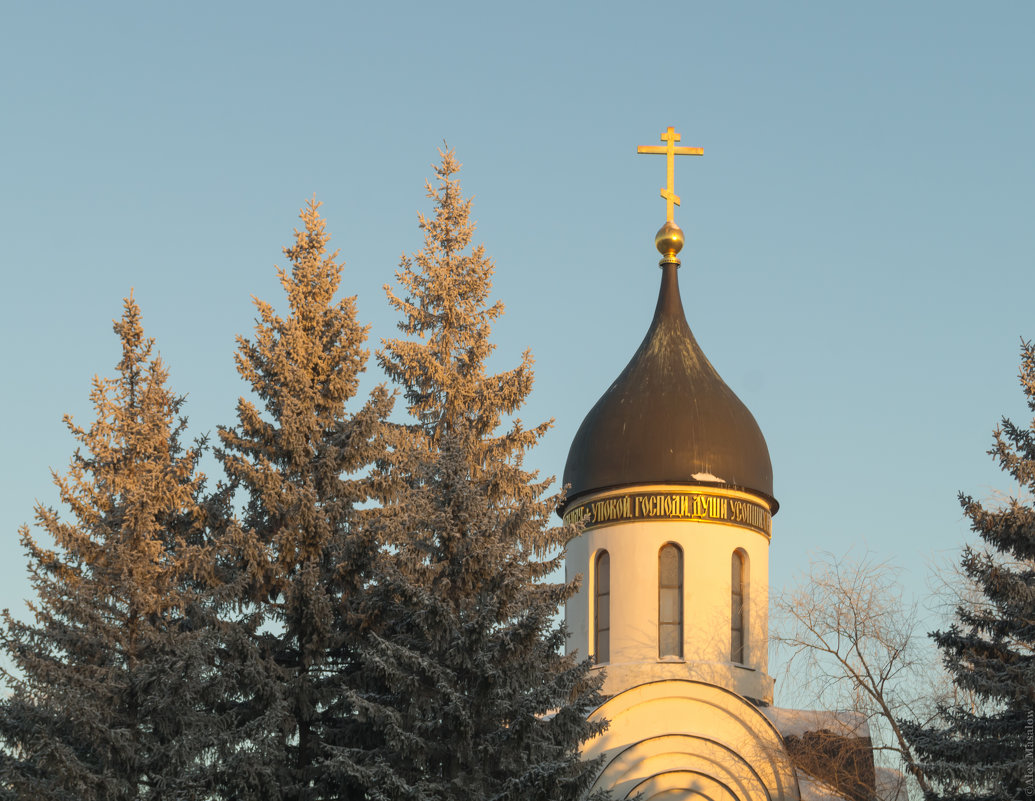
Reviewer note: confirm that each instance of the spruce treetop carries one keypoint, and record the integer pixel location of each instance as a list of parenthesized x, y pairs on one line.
[(128, 475), (994, 652), (305, 366), (979, 747), (120, 611), (445, 305), (470, 696), (302, 461)]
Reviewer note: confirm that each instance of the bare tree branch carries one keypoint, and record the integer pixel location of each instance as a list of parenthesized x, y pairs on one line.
[(850, 640)]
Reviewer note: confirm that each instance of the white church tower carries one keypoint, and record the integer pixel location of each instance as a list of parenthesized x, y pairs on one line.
[(671, 475)]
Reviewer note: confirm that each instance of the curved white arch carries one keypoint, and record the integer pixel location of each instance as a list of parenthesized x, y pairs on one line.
[(682, 785), (681, 752), (683, 725)]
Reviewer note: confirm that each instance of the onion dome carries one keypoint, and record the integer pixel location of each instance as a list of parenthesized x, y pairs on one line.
[(669, 418)]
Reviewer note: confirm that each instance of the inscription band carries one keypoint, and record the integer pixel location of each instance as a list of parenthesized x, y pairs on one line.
[(704, 507)]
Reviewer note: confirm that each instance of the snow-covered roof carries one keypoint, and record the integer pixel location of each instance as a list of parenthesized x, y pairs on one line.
[(813, 789), (887, 784), (891, 786), (795, 722)]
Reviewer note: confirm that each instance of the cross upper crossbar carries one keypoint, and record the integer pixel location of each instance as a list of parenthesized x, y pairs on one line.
[(670, 137)]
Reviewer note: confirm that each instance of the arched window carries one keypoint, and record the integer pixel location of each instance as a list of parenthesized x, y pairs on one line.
[(738, 607), (602, 608), (670, 601)]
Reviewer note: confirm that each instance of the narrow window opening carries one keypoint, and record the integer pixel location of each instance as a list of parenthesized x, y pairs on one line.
[(670, 601), (737, 609), (602, 608)]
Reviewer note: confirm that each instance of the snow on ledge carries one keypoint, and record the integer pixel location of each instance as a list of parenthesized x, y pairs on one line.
[(796, 722)]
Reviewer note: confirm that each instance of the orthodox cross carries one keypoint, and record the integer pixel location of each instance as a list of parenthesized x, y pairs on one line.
[(670, 137)]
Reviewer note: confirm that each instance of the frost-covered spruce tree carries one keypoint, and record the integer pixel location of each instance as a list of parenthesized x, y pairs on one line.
[(110, 680), (477, 700), (981, 747), (301, 457)]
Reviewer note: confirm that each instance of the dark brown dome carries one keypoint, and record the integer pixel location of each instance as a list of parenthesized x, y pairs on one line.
[(669, 419)]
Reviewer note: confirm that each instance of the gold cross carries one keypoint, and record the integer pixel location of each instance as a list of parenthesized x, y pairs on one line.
[(671, 137)]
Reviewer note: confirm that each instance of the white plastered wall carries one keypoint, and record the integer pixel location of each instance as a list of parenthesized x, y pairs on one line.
[(708, 549)]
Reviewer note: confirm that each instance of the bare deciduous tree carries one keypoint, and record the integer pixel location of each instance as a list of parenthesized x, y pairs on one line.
[(851, 642)]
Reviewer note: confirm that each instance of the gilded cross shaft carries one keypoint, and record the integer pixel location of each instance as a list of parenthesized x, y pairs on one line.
[(670, 137)]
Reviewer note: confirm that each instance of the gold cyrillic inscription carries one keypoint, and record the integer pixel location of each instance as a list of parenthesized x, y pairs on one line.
[(698, 506)]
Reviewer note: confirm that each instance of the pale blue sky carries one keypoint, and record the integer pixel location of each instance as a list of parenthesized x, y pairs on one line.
[(860, 258)]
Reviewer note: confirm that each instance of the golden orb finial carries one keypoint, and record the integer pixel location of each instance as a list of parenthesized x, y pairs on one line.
[(669, 241)]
